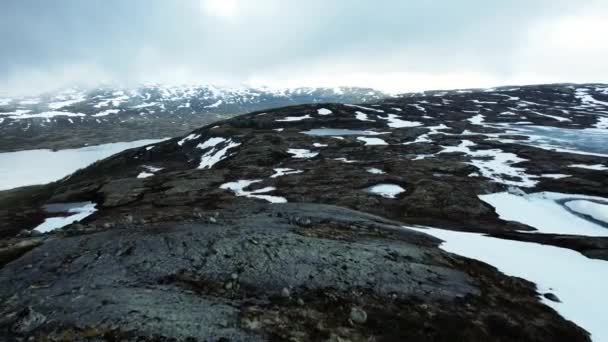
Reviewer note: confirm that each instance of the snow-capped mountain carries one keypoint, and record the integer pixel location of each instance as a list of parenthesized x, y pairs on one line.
[(76, 117)]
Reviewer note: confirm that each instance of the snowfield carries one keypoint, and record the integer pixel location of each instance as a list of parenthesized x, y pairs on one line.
[(579, 282)]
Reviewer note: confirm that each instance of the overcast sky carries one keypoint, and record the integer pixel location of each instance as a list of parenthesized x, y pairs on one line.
[(392, 45)]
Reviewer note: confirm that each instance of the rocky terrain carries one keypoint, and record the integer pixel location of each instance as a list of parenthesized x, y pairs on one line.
[(308, 223), (77, 117)]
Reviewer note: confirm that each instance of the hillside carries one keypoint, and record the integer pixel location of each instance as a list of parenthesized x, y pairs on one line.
[(326, 222)]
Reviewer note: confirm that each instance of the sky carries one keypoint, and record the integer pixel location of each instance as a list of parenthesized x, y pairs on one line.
[(390, 45)]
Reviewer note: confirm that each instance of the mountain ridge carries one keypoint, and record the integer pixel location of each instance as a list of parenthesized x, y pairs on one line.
[(79, 117)]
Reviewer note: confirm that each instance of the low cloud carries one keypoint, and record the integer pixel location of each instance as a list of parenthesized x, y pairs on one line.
[(392, 45)]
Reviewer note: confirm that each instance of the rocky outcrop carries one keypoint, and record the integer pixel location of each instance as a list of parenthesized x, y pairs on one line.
[(290, 271)]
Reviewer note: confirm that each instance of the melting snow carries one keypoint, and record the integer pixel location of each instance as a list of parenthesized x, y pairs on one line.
[(302, 153), (79, 211), (424, 138), (17, 112), (558, 118), (417, 106), (150, 170), (120, 97), (395, 122), (579, 282), (239, 186), (587, 99), (372, 141), (144, 175), (597, 167), (215, 105), (554, 175), (47, 115), (340, 131), (365, 108), (345, 160), (295, 118), (284, 171), (319, 145), (61, 104), (386, 190), (191, 137), (595, 210), (214, 155), (361, 116), (375, 171), (588, 141), (323, 111), (483, 102), (477, 119), (545, 211), (107, 112), (496, 168), (602, 122)]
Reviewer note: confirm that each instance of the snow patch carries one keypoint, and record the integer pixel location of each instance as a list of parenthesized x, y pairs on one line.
[(323, 111), (44, 115), (346, 160), (340, 131), (386, 190), (284, 171), (294, 118), (375, 171), (602, 122), (558, 118), (597, 167), (395, 122), (79, 212), (107, 112), (477, 119), (215, 154), (145, 174), (191, 137), (215, 105), (365, 108), (554, 175), (361, 116), (302, 153), (239, 186), (372, 141)]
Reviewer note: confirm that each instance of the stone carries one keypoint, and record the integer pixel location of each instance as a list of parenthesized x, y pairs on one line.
[(358, 315)]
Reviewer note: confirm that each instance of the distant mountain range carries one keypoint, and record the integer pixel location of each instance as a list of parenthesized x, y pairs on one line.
[(76, 117)]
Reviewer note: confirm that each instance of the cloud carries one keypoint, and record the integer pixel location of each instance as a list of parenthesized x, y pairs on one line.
[(395, 45)]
